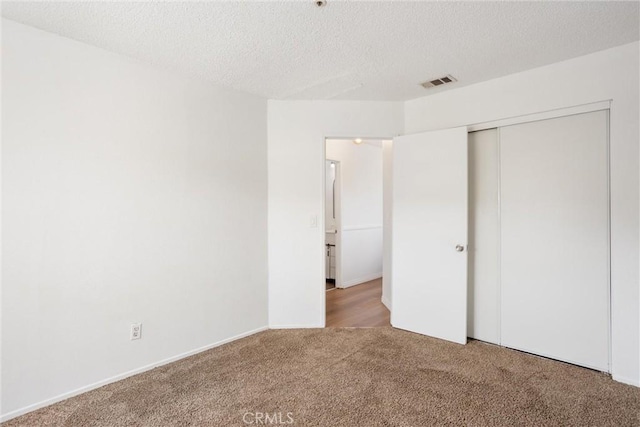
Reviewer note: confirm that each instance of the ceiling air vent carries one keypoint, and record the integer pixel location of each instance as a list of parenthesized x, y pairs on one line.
[(437, 82)]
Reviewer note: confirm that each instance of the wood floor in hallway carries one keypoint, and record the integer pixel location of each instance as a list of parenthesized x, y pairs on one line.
[(357, 306)]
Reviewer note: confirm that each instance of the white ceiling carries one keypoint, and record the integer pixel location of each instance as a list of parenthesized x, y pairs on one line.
[(345, 50)]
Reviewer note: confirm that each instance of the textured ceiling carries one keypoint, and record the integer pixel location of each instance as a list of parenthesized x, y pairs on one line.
[(345, 50)]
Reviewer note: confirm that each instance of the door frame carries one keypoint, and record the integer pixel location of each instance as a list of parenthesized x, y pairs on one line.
[(542, 115), (337, 205)]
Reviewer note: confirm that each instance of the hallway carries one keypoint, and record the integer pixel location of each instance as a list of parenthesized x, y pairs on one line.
[(358, 306)]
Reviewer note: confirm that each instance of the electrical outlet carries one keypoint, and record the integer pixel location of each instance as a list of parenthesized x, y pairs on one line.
[(136, 331)]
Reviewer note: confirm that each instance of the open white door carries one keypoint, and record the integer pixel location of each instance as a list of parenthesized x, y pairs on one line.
[(429, 291)]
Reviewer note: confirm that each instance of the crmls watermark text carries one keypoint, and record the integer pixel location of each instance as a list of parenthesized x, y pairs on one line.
[(268, 418)]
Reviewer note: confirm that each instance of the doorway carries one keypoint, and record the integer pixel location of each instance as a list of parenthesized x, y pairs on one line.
[(354, 232)]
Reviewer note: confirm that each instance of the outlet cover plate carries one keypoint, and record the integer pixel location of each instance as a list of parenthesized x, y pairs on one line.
[(136, 331)]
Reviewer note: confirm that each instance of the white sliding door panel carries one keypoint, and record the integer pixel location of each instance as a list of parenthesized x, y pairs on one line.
[(483, 320), (555, 238), (429, 279)]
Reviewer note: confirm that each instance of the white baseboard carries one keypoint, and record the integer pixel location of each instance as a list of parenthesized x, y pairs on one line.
[(386, 302), (295, 326), (630, 381), (362, 279), (84, 389)]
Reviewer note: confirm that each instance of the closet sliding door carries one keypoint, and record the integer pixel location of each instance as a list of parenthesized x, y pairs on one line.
[(555, 238), (483, 317)]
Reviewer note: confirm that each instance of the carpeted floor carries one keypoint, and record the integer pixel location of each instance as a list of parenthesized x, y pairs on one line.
[(353, 377)]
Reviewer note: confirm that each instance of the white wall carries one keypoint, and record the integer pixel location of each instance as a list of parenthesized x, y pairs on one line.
[(129, 195), (296, 138), (610, 74), (361, 209)]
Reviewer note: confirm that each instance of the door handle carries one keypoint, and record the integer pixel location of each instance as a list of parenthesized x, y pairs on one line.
[(459, 248)]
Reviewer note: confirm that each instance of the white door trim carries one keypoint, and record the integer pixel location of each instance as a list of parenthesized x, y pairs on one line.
[(543, 115)]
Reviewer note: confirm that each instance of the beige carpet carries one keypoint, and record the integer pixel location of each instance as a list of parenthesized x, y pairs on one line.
[(353, 377)]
